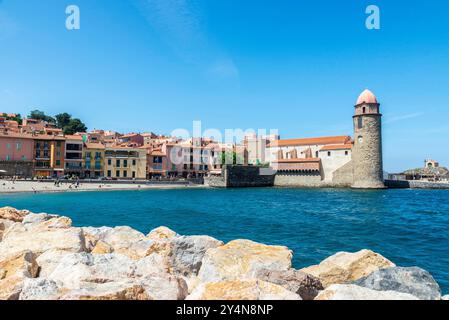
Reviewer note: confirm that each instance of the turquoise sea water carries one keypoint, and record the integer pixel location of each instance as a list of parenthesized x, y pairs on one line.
[(410, 227)]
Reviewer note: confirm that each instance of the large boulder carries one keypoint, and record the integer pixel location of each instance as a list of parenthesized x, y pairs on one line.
[(353, 292), (40, 289), (162, 233), (12, 214), (20, 238), (123, 240), (242, 259), (187, 252), (78, 268), (120, 290), (49, 260), (251, 289), (13, 271), (306, 285), (412, 280), (77, 274), (345, 267), (164, 286)]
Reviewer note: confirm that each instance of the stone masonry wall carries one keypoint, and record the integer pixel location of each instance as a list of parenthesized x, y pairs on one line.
[(298, 180), (241, 177), (343, 176), (367, 153)]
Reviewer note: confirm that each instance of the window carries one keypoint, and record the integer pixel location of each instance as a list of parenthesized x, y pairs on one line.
[(117, 173), (19, 146), (88, 155), (134, 174), (58, 163), (360, 122), (316, 154), (185, 166), (117, 163), (109, 162), (58, 143), (8, 146), (45, 153), (134, 162), (125, 163), (346, 153), (328, 153), (24, 158), (364, 110), (125, 174), (8, 158), (109, 173)]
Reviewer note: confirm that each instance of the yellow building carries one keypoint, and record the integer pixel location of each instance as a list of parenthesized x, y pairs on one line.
[(124, 163), (93, 160)]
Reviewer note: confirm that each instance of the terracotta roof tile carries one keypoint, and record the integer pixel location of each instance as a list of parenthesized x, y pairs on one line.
[(311, 141)]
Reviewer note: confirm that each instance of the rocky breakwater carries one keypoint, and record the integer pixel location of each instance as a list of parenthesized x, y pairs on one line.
[(43, 257)]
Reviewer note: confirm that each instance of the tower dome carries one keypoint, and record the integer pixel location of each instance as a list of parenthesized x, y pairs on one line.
[(366, 97)]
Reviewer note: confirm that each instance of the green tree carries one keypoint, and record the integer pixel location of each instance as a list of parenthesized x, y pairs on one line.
[(40, 115), (74, 125), (17, 118), (63, 120), (231, 158)]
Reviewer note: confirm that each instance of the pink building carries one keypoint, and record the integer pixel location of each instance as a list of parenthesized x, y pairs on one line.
[(16, 154), (16, 147)]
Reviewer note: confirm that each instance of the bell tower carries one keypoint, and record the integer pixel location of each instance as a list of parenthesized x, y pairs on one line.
[(367, 151)]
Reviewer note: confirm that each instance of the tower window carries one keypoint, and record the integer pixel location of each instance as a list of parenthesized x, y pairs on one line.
[(364, 110), (359, 123), (346, 153), (328, 153)]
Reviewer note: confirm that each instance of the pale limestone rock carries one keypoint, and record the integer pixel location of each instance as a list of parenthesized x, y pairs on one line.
[(12, 214), (120, 290), (152, 264), (187, 253), (49, 260), (446, 297), (78, 268), (161, 233), (13, 271), (354, 292), (250, 289), (345, 267), (164, 287), (35, 218), (19, 239), (102, 247), (241, 259), (122, 240), (40, 289)]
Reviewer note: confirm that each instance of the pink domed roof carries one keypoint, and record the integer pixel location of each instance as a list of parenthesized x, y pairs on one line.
[(366, 97)]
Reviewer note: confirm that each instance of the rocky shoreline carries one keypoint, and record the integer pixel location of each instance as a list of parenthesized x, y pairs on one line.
[(42, 257)]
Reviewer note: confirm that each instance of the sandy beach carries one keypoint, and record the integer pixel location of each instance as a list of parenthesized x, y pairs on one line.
[(40, 187)]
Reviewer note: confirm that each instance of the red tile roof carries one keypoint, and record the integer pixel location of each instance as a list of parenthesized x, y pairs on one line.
[(347, 146), (310, 141)]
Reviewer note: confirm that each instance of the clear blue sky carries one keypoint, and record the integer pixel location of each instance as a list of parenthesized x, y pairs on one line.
[(293, 65)]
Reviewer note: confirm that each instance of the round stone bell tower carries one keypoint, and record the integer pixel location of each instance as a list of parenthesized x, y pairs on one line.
[(367, 151)]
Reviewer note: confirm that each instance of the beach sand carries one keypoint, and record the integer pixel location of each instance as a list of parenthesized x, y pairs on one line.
[(39, 187)]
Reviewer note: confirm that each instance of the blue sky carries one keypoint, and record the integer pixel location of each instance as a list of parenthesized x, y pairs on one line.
[(293, 65)]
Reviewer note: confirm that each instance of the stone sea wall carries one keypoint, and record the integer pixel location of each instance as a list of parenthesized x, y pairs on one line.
[(43, 257), (414, 184), (239, 176)]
